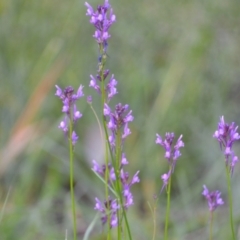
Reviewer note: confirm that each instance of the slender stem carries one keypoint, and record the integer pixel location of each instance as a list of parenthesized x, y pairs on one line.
[(211, 225), (103, 100), (154, 219), (127, 224), (168, 208), (98, 121), (71, 155), (230, 201), (118, 183), (153, 212), (119, 190)]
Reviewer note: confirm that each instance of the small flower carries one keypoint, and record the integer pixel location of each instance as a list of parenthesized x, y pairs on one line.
[(128, 197), (227, 135), (108, 208), (63, 125), (99, 206), (101, 170), (214, 198), (172, 153), (165, 178), (74, 138), (58, 91), (96, 168), (124, 160), (76, 114), (135, 179), (93, 84), (118, 120), (111, 87), (89, 99)]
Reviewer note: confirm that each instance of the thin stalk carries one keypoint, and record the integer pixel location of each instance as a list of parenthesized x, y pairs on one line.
[(99, 124), (103, 99), (71, 155), (211, 225), (117, 173), (168, 208), (154, 220), (230, 200), (118, 164)]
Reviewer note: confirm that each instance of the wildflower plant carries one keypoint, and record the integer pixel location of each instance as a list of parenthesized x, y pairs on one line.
[(72, 115), (227, 135), (115, 122), (172, 153)]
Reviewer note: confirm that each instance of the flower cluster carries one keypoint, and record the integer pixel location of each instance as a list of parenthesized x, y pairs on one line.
[(69, 108), (126, 184), (214, 198), (118, 120), (172, 153), (111, 206), (110, 87), (226, 135), (102, 19), (101, 170)]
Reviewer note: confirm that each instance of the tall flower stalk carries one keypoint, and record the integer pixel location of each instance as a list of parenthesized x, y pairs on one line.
[(72, 115), (115, 124), (227, 135), (172, 153)]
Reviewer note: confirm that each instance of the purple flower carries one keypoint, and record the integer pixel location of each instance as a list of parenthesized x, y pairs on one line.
[(89, 99), (165, 178), (93, 84), (118, 120), (69, 99), (96, 168), (102, 19), (124, 179), (101, 170), (108, 209), (214, 198), (128, 197), (124, 160), (63, 125), (172, 153), (74, 138), (111, 87), (226, 135)]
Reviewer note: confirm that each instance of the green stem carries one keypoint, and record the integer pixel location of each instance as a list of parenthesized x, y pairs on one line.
[(211, 225), (103, 100), (154, 219), (168, 208), (71, 155), (117, 173), (230, 201), (117, 166)]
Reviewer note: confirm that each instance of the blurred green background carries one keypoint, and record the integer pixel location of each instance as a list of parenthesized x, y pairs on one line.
[(178, 67)]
